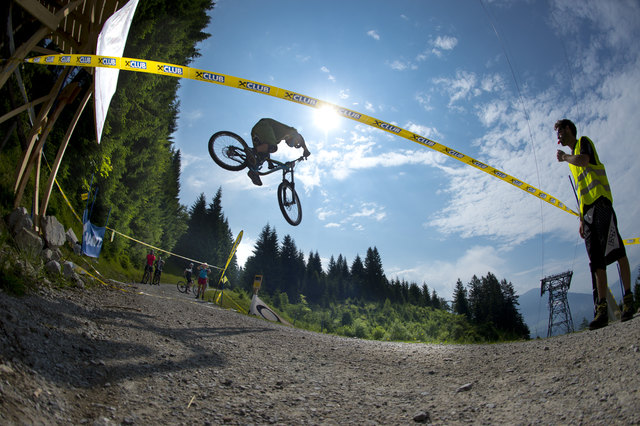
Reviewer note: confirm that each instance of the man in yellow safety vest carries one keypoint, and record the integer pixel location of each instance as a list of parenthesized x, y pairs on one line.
[(598, 222)]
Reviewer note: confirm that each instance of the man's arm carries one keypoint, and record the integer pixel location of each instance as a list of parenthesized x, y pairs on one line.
[(306, 151), (580, 160)]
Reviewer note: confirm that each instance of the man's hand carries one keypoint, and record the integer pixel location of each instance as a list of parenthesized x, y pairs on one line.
[(306, 153), (560, 155)]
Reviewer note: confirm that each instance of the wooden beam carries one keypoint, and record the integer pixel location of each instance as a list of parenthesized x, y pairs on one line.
[(75, 44), (37, 126), (23, 108), (31, 160), (26, 47), (67, 96), (63, 146), (40, 12)]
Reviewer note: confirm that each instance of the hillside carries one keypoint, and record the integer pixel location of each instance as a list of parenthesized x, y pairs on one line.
[(134, 354)]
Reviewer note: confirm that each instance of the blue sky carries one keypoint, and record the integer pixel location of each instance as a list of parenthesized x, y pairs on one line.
[(488, 79)]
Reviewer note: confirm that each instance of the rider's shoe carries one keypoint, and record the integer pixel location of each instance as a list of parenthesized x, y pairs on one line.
[(261, 157), (255, 178)]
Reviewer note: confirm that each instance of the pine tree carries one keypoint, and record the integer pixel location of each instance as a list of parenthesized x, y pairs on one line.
[(292, 268), (375, 279), (460, 301), (264, 261), (357, 290), (315, 284)]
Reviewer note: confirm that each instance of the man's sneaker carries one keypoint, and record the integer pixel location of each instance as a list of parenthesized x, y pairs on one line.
[(602, 317), (255, 178), (627, 307)]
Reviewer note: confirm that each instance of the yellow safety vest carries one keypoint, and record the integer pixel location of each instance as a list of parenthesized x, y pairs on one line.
[(591, 181)]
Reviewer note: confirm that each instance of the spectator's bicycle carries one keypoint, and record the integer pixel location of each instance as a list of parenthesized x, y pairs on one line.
[(156, 277), (147, 274), (230, 152), (184, 286)]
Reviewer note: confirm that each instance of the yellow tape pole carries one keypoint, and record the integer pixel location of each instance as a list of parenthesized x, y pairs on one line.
[(179, 71), (233, 251)]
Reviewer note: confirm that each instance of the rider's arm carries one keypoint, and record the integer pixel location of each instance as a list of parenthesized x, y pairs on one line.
[(303, 145)]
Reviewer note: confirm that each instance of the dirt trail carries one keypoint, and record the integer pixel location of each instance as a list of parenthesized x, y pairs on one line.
[(105, 356)]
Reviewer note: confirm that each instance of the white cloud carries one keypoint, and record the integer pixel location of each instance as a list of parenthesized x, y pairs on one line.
[(466, 85), (245, 249), (192, 116), (370, 210), (428, 132), (441, 276), (424, 100), (373, 34), (399, 66), (445, 43), (326, 71), (459, 88)]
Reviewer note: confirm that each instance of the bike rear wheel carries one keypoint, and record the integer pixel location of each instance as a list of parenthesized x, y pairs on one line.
[(228, 150), (289, 203), (156, 279), (196, 291)]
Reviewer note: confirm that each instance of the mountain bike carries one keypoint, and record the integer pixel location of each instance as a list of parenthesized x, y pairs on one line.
[(147, 274), (184, 286), (230, 152), (156, 278)]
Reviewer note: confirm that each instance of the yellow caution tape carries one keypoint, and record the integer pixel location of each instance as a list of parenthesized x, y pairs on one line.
[(179, 71), (172, 70)]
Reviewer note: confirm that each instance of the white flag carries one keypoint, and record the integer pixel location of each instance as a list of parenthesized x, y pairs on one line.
[(111, 42)]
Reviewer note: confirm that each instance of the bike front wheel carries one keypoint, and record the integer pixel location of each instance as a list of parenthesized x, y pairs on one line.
[(228, 150), (182, 286), (289, 203), (146, 276)]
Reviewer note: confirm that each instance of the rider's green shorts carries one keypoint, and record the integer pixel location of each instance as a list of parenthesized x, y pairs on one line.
[(271, 132)]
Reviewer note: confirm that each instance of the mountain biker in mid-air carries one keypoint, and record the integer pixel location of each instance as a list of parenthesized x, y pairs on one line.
[(266, 135)]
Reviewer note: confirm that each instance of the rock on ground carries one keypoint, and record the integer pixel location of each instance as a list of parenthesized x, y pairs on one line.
[(150, 355)]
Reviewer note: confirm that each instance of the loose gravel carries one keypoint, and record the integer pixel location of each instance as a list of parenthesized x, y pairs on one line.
[(148, 355)]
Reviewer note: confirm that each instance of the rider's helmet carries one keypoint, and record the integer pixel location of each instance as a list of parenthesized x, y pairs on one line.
[(191, 265)]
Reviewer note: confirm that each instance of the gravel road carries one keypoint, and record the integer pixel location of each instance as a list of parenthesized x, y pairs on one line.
[(146, 355)]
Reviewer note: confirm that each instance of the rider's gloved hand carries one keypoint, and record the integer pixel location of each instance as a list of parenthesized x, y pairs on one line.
[(306, 153)]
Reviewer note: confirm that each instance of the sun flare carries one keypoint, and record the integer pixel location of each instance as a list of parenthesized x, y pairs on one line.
[(326, 118)]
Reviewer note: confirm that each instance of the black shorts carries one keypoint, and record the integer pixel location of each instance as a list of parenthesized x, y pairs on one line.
[(601, 236)]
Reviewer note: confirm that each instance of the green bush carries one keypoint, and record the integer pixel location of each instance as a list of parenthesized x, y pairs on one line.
[(12, 283)]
